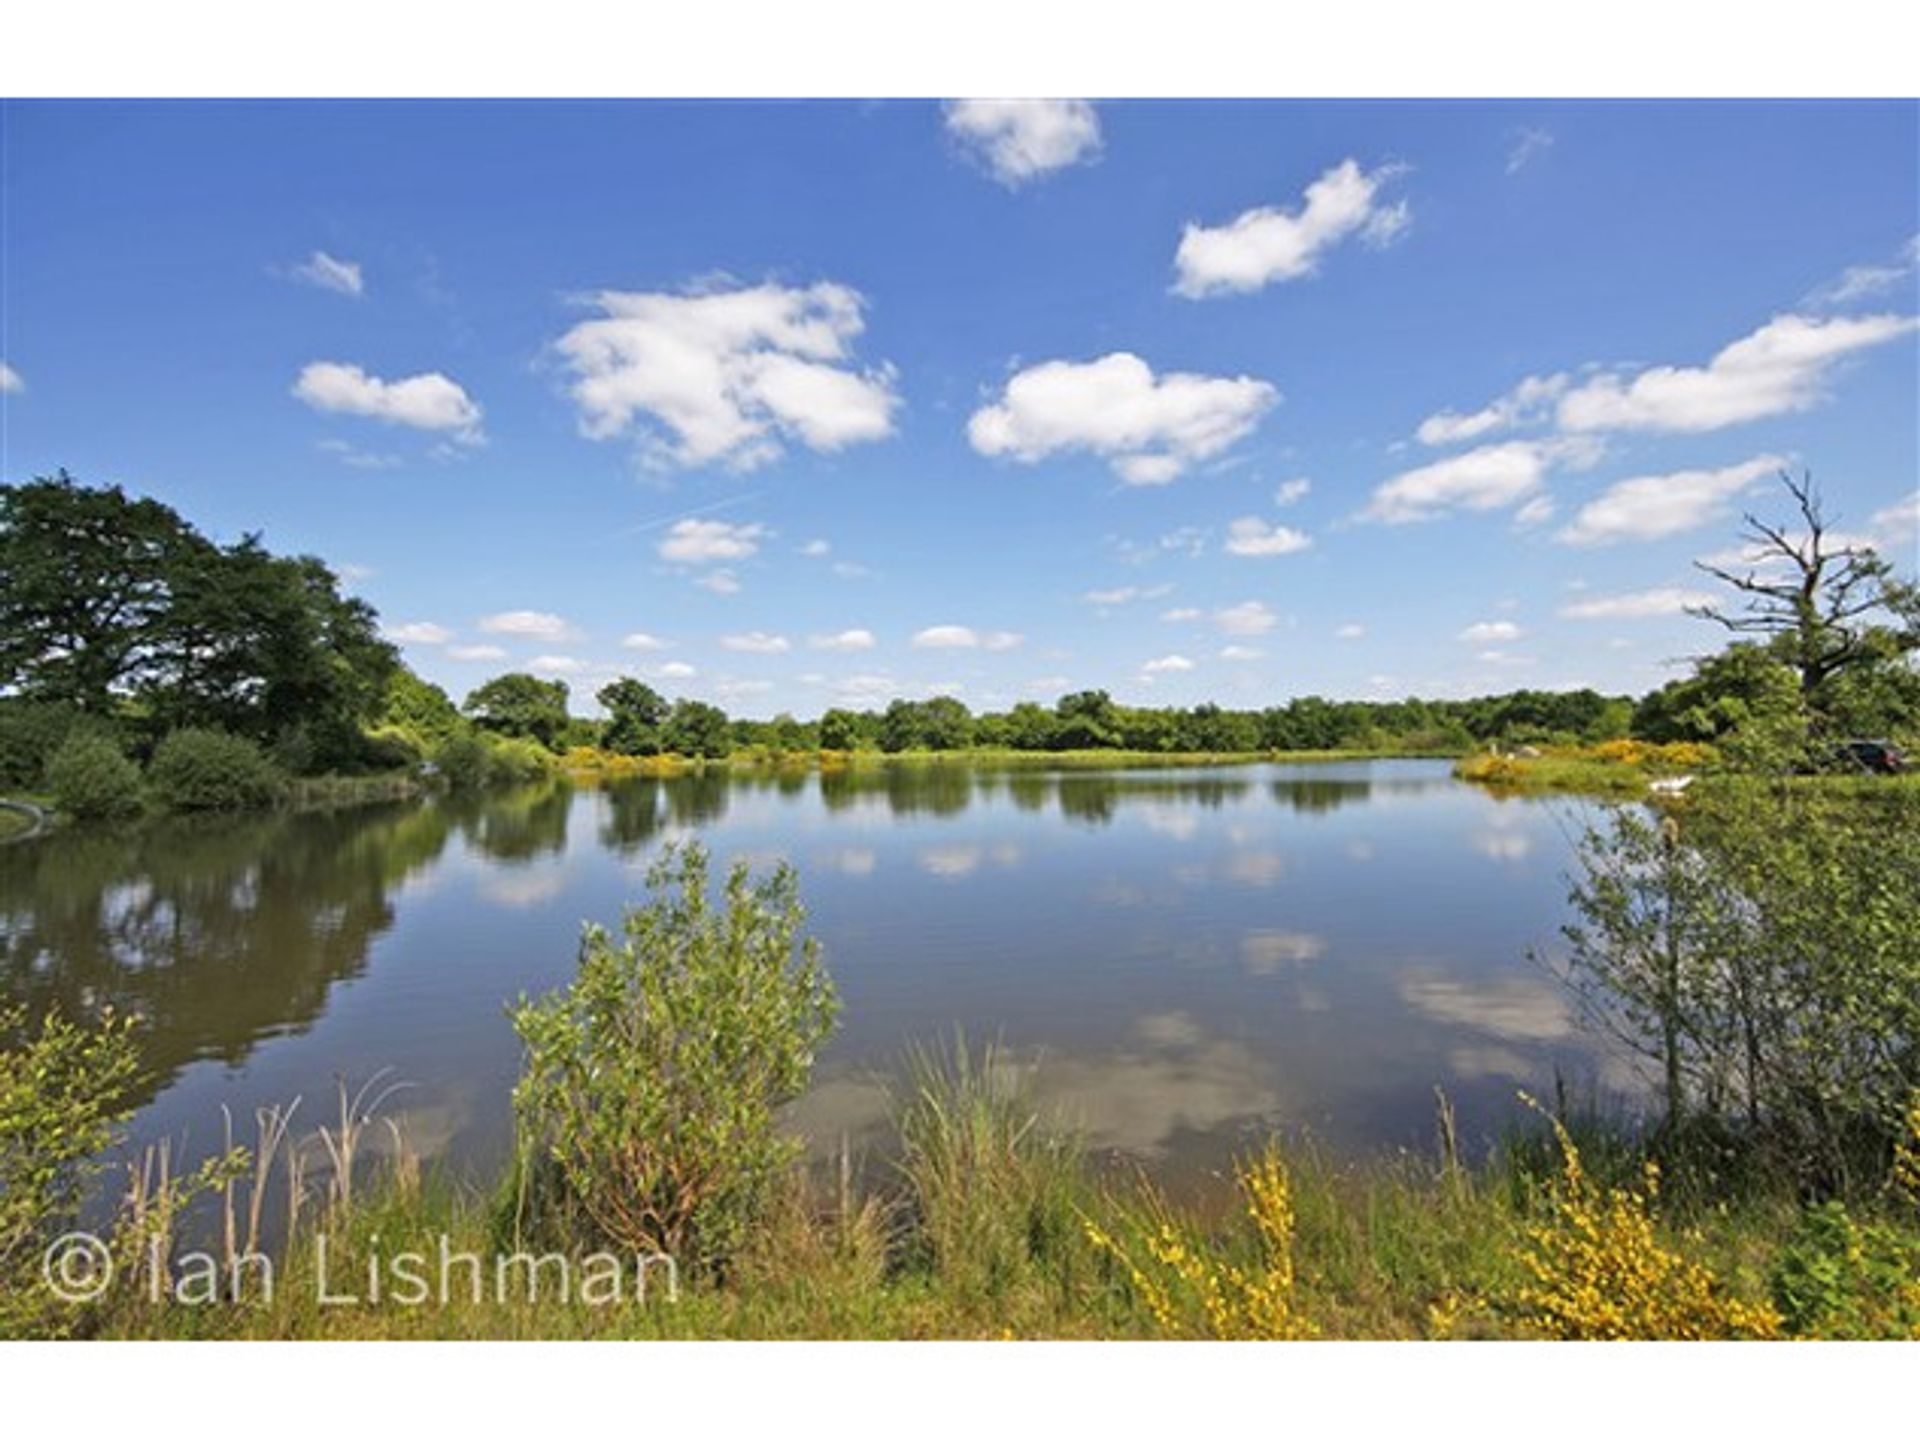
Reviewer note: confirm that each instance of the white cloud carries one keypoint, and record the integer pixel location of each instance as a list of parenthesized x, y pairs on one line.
[(422, 401), (675, 669), (816, 549), (727, 376), (1778, 369), (719, 581), (1239, 653), (946, 636), (1292, 491), (1490, 631), (1491, 477), (1898, 523), (10, 381), (1653, 506), (475, 652), (959, 636), (323, 270), (1253, 538), (1528, 146), (557, 664), (846, 641), (756, 642), (709, 541), (530, 624), (642, 640), (1536, 511), (355, 457), (1857, 282), (1249, 618), (1126, 594), (1643, 604), (1021, 140), (419, 632), (1268, 244), (1150, 428), (1351, 631), (1527, 402), (1167, 664), (1182, 615)]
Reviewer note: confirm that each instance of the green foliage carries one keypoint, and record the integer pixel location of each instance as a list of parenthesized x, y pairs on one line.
[(654, 1081), (109, 599), (1762, 945), (1742, 699), (1843, 1278), (697, 731), (90, 778), (517, 761), (418, 709), (839, 729), (61, 1086), (519, 706), (208, 769), (635, 714), (939, 723), (30, 735)]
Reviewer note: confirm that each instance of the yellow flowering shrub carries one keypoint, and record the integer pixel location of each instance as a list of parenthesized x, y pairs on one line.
[(1906, 1160), (1598, 1270), (1193, 1292)]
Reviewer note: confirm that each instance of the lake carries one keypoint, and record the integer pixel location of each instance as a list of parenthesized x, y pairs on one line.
[(1184, 957)]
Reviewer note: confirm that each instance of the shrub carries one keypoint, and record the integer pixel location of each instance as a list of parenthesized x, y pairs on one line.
[(31, 734), (209, 769), (1190, 1290), (90, 778), (1841, 1277), (517, 761), (60, 1088), (652, 1083), (462, 760), (1599, 1270)]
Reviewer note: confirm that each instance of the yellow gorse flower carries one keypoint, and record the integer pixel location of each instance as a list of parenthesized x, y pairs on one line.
[(1177, 1277)]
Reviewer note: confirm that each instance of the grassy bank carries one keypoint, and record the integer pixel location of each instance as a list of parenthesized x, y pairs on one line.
[(595, 764), (994, 1226), (1620, 768)]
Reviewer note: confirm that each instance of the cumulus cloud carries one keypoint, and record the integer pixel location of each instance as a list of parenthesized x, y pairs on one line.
[(1239, 653), (1151, 428), (710, 541), (1271, 244), (476, 652), (423, 401), (756, 642), (1780, 368), (1167, 664), (557, 664), (1643, 604), (1899, 523), (323, 271), (816, 549), (675, 669), (419, 632), (1490, 631), (1351, 631), (1253, 538), (642, 640), (960, 636), (1249, 618), (1858, 282), (1022, 140), (10, 381), (727, 376), (530, 624), (719, 581), (1653, 506), (846, 641), (1491, 477), (1292, 491), (1529, 401)]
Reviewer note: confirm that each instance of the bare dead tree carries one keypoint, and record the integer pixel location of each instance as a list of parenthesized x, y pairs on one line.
[(1810, 597)]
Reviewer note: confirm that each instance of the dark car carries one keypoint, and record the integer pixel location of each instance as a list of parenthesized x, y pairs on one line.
[(1872, 756)]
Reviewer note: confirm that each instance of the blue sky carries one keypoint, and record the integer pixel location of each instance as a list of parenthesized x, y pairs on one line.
[(788, 405)]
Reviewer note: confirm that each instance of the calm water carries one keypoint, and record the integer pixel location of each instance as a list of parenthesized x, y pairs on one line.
[(1186, 956)]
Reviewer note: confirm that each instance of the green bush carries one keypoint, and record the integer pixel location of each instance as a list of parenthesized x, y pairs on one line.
[(518, 761), (208, 769), (30, 735), (60, 1087), (652, 1083), (90, 778), (1847, 1278)]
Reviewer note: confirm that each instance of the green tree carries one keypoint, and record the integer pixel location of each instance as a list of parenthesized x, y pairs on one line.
[(839, 729), (1086, 720), (519, 706), (634, 716), (697, 730)]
